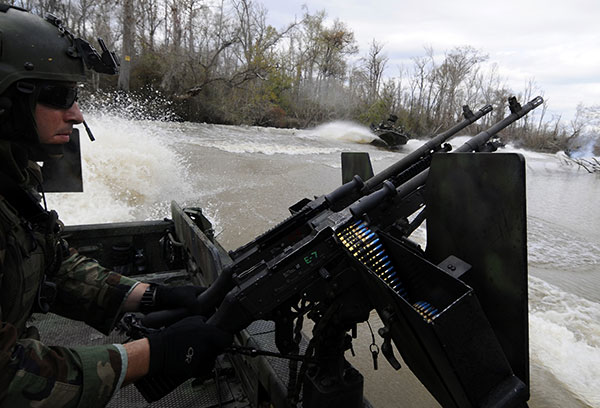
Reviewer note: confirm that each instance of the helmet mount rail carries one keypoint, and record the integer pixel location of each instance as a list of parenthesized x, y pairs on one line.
[(105, 63), (36, 48)]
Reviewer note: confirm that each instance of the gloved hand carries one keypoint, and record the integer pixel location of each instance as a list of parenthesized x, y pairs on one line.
[(172, 297), (183, 350)]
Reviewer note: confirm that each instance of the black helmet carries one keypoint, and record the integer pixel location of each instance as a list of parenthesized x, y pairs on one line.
[(36, 48)]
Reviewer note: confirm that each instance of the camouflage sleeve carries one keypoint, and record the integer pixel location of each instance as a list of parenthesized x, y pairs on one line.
[(33, 374), (91, 293)]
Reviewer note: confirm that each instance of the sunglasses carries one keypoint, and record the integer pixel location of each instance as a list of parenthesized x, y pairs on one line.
[(57, 96)]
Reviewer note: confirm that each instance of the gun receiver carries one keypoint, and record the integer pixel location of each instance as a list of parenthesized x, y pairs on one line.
[(342, 255)]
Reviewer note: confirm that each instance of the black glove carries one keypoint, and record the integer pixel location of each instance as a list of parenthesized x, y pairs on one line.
[(184, 350), (161, 297), (187, 348)]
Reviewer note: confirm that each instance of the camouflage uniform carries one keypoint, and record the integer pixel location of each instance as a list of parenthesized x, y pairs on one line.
[(32, 373)]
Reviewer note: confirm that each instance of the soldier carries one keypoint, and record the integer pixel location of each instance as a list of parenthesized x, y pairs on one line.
[(41, 63)]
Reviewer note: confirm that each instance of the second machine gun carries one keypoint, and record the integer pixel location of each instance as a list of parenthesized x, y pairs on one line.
[(344, 254)]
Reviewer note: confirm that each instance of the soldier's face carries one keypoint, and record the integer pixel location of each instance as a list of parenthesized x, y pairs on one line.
[(55, 125)]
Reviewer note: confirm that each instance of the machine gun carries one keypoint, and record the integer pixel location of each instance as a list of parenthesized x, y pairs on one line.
[(344, 254)]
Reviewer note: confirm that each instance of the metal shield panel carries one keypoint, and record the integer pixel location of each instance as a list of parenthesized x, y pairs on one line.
[(476, 211)]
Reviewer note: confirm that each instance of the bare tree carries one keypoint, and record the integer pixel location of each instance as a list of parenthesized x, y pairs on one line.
[(149, 22), (450, 79), (336, 43), (374, 66)]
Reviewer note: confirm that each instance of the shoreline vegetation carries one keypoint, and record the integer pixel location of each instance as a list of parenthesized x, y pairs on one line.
[(222, 63)]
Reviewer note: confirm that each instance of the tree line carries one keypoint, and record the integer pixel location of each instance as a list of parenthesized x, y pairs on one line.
[(220, 61)]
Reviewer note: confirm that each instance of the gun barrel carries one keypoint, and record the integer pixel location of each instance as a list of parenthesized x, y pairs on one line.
[(369, 202), (373, 200), (473, 144), (481, 138), (414, 156), (357, 187)]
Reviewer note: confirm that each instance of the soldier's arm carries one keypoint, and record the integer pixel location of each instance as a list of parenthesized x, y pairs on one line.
[(32, 372), (91, 293), (98, 296)]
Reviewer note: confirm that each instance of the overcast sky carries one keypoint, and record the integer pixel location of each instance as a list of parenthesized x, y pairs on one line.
[(556, 43)]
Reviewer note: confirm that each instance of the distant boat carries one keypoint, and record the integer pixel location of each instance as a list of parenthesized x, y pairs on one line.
[(388, 134)]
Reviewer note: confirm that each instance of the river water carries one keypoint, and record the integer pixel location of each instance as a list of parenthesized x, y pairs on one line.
[(245, 178)]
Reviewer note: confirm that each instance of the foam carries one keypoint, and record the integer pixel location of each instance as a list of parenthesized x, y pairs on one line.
[(548, 244), (126, 171), (343, 131), (564, 334)]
